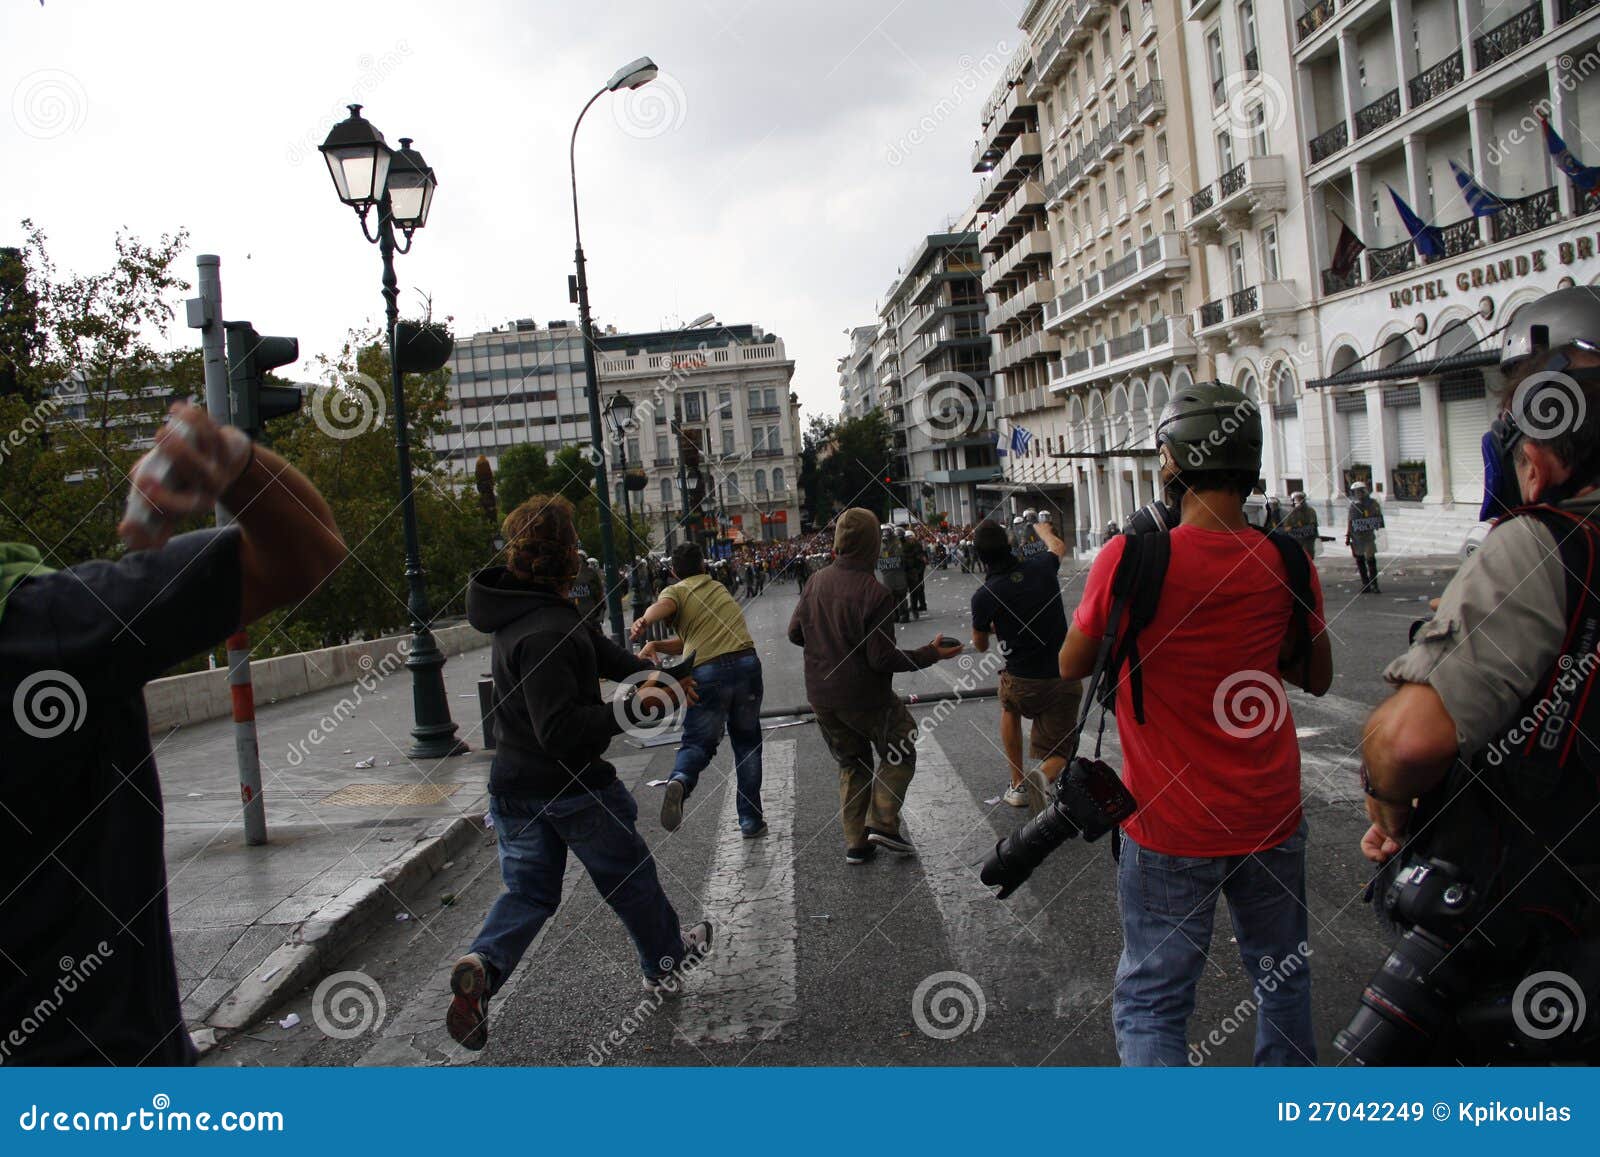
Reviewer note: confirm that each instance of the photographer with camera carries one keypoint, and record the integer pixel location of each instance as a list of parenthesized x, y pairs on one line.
[(1480, 770), (1020, 602), (1229, 612)]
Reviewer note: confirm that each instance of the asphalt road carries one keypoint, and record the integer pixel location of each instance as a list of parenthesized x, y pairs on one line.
[(820, 963)]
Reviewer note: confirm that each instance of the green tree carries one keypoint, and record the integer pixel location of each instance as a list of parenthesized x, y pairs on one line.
[(853, 471)]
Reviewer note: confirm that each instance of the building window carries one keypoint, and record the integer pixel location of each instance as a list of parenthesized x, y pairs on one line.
[(661, 447), (761, 481), (1152, 66), (1126, 21), (725, 403), (727, 439), (1224, 151), (692, 405), (1139, 171), (777, 479), (1260, 146), (1269, 253), (1105, 44), (1219, 71), (1247, 32), (1177, 303), (666, 492), (1161, 149), (1236, 265)]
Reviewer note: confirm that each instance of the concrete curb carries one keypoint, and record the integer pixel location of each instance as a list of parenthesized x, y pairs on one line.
[(320, 939)]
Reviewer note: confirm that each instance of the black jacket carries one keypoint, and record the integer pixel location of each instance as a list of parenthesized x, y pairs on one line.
[(551, 725)]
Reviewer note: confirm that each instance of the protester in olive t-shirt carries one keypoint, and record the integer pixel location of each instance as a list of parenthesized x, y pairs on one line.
[(1020, 601), (87, 973), (727, 673)]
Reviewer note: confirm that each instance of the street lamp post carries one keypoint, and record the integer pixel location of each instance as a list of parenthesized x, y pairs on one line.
[(368, 175), (619, 412), (639, 72)]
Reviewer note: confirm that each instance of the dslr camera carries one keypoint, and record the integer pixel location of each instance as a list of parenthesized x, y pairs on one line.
[(1089, 800)]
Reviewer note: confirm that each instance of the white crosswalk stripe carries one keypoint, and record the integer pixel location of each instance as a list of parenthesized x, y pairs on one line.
[(746, 990), (1006, 947)]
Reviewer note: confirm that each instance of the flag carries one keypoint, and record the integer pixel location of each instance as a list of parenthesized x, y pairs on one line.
[(1482, 202), (999, 444), (1586, 177), (1020, 439), (1346, 251), (1424, 236)]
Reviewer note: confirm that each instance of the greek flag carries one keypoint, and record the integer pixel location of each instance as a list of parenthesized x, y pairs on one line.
[(1424, 236), (1586, 177), (1020, 439), (1482, 202), (999, 444)]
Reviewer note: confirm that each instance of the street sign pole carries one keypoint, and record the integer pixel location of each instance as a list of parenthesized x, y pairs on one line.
[(205, 314)]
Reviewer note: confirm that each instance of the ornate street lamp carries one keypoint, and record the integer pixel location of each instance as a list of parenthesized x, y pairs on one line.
[(368, 175)]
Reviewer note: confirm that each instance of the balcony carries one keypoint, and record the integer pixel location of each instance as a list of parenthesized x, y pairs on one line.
[(1163, 340), (658, 463), (1034, 296), (1247, 314), (1147, 23), (1081, 28), (1254, 187), (709, 358), (1031, 247), (1458, 237), (764, 411), (1322, 146), (1028, 198), (1390, 261), (1162, 258), (1128, 125), (1005, 116), (1314, 18), (1570, 9), (1526, 214), (1370, 118), (1018, 162), (1339, 282), (1509, 36), (1436, 81), (1151, 102), (1252, 63)]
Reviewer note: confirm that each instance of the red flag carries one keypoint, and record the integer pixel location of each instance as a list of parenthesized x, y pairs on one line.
[(1346, 251)]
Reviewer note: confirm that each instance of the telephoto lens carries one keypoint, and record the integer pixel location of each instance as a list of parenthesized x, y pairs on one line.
[(1404, 1005), (1089, 800)]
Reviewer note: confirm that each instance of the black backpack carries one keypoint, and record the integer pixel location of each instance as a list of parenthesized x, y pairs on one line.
[(1136, 591)]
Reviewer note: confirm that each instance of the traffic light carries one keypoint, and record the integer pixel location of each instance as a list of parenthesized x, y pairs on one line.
[(250, 356)]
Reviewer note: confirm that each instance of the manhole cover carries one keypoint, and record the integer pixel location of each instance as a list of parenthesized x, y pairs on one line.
[(391, 795)]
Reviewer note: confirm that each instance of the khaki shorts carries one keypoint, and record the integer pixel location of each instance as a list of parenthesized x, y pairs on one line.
[(1050, 704)]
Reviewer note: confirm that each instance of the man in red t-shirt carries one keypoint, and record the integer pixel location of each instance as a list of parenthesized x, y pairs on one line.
[(1215, 764)]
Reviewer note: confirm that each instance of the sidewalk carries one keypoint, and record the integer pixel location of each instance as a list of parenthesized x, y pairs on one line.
[(347, 845)]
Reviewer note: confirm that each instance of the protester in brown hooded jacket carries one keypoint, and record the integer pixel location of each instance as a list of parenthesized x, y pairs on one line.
[(845, 622)]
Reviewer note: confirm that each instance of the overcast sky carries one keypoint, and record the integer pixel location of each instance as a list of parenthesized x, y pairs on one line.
[(785, 163)]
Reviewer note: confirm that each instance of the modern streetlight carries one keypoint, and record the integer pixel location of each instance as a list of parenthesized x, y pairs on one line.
[(368, 175), (639, 72)]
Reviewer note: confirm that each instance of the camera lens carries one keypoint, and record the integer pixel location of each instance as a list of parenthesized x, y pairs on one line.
[(1404, 1004), (1015, 857)]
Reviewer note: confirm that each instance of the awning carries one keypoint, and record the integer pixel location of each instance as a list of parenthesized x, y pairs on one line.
[(1408, 369), (1013, 487), (1097, 455)]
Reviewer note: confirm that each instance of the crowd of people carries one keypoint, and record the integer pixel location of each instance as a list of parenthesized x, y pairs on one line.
[(1483, 825)]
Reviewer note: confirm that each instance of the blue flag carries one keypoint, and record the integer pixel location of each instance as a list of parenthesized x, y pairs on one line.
[(1586, 177), (1424, 236), (1020, 439), (1482, 202)]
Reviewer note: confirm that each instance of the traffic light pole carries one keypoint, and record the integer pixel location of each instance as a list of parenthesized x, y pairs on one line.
[(205, 314)]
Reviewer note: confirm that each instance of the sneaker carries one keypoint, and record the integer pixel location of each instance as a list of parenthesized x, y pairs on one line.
[(894, 843), (696, 947), (1016, 797), (672, 805), (861, 855), (754, 832), (467, 1020)]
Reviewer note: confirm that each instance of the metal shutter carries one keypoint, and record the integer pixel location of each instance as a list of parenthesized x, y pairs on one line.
[(1408, 442), (1291, 459), (1465, 421), (1357, 438)]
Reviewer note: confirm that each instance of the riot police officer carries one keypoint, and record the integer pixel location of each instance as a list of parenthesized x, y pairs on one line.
[(1361, 534), (892, 572), (588, 591), (1481, 770), (1300, 523), (916, 564)]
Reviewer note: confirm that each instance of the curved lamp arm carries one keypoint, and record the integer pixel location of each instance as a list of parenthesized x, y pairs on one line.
[(572, 164)]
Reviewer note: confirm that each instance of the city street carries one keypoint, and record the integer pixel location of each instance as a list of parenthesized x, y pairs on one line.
[(818, 963)]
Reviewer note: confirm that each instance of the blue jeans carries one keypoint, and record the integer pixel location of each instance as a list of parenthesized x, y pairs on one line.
[(1168, 904), (730, 699), (598, 826)]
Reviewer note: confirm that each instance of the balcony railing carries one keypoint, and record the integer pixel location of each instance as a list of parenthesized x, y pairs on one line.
[(1336, 283), (1459, 236), (1232, 181), (1157, 332), (658, 462), (1526, 214), (1202, 201), (763, 411), (1244, 301), (1388, 262), (1509, 36), (1436, 81), (1120, 270), (1212, 313), (1314, 18), (1153, 97), (1121, 347), (1077, 361), (1379, 113), (1324, 145), (1568, 9)]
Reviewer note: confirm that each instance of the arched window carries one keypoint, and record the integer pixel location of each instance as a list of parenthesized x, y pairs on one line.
[(761, 481), (777, 479), (666, 493)]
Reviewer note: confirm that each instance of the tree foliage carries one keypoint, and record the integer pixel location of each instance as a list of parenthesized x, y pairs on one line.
[(846, 462)]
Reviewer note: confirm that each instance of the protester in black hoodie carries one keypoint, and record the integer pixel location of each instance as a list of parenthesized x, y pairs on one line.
[(550, 787)]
